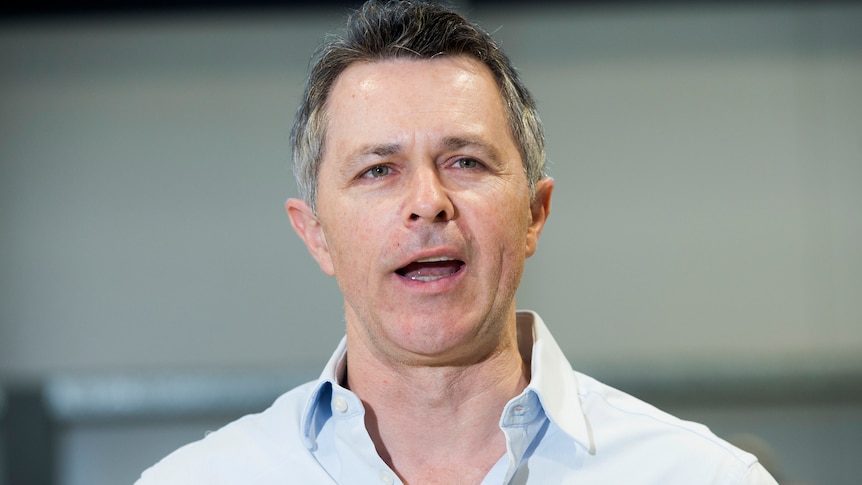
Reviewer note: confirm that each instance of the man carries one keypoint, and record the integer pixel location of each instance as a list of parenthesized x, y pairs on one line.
[(419, 157)]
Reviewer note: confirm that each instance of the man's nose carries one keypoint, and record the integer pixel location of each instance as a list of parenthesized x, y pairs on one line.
[(427, 198)]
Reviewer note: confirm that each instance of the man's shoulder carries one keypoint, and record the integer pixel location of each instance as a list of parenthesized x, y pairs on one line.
[(256, 449), (625, 427)]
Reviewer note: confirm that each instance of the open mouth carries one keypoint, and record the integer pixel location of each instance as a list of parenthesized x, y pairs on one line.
[(431, 269)]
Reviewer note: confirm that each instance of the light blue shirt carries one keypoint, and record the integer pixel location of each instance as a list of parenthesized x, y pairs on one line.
[(565, 428)]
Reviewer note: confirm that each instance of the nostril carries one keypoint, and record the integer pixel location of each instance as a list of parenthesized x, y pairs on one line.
[(441, 216)]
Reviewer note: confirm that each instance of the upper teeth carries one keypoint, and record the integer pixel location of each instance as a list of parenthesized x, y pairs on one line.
[(433, 259)]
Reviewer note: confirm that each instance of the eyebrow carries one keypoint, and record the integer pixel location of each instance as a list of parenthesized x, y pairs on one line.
[(382, 150), (362, 155), (458, 142)]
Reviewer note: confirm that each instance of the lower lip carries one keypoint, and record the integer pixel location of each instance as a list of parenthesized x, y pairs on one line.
[(438, 285)]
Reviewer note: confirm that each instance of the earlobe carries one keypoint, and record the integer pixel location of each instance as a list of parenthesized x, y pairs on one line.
[(307, 226), (540, 208)]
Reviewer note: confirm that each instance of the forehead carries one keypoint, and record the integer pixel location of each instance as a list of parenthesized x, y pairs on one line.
[(398, 98), (444, 68)]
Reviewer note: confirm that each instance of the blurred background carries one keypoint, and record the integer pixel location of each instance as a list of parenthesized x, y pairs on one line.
[(704, 250)]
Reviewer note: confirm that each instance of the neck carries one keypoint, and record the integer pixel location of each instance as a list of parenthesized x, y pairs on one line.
[(427, 421)]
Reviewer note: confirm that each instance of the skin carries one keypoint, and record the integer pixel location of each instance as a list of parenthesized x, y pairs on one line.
[(419, 164)]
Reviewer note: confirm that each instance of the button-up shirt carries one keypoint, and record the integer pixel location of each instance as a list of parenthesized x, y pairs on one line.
[(564, 428)]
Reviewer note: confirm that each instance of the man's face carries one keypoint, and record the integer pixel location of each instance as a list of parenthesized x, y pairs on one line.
[(424, 214)]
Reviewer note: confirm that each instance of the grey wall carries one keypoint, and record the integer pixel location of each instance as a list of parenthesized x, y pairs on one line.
[(707, 162), (706, 217), (145, 169), (709, 172)]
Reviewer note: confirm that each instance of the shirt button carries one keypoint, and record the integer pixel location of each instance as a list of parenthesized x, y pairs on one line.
[(386, 478), (339, 404)]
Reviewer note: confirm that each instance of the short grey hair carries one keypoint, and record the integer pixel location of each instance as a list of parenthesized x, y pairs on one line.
[(382, 30)]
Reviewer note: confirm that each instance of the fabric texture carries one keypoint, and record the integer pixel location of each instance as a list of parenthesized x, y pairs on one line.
[(565, 427)]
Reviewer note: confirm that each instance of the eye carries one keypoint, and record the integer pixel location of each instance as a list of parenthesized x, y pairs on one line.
[(467, 163), (377, 171)]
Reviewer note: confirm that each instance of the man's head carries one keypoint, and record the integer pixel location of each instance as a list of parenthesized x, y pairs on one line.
[(412, 30), (424, 212)]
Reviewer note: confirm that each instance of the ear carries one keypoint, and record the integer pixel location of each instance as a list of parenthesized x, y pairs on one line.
[(540, 208), (308, 227)]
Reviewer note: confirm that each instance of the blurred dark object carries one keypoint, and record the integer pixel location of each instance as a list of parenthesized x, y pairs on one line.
[(30, 436), (59, 9)]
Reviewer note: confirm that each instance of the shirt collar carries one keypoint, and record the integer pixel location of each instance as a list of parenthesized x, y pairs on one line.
[(552, 380), (317, 408)]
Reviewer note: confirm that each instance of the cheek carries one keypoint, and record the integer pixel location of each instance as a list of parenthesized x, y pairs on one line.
[(516, 220), (356, 238), (503, 237)]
